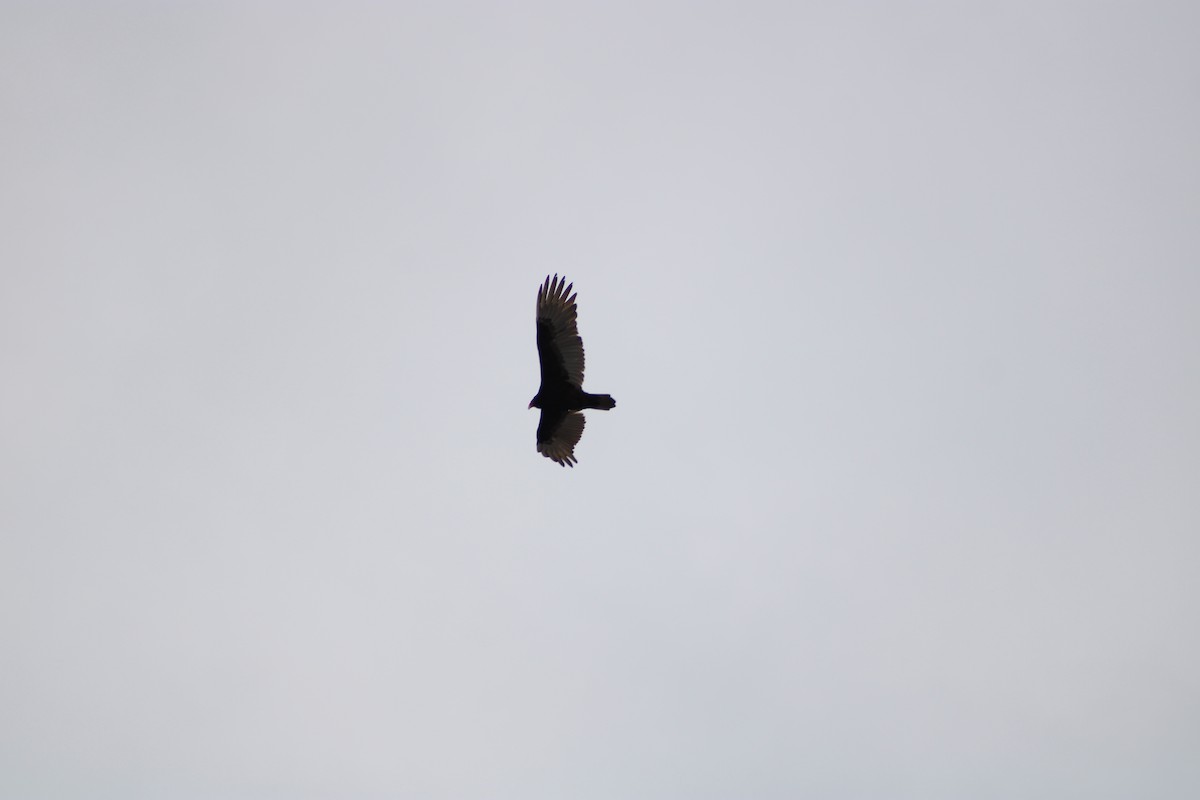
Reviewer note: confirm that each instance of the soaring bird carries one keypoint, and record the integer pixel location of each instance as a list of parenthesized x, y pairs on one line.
[(561, 395)]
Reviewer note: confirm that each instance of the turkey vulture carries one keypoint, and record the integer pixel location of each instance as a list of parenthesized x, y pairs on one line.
[(561, 395)]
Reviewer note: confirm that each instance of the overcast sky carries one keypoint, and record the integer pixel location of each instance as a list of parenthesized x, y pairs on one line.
[(899, 303)]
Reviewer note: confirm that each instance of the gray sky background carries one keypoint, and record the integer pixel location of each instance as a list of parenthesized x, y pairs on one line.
[(898, 301)]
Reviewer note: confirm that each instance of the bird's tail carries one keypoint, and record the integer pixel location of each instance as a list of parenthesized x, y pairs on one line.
[(601, 401)]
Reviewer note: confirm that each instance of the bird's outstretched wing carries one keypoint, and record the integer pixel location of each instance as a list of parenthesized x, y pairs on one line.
[(557, 435), (560, 350)]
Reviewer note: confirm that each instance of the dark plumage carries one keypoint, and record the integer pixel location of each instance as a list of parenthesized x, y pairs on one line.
[(561, 395)]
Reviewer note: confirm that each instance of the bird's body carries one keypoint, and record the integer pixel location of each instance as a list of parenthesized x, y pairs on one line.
[(561, 396)]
